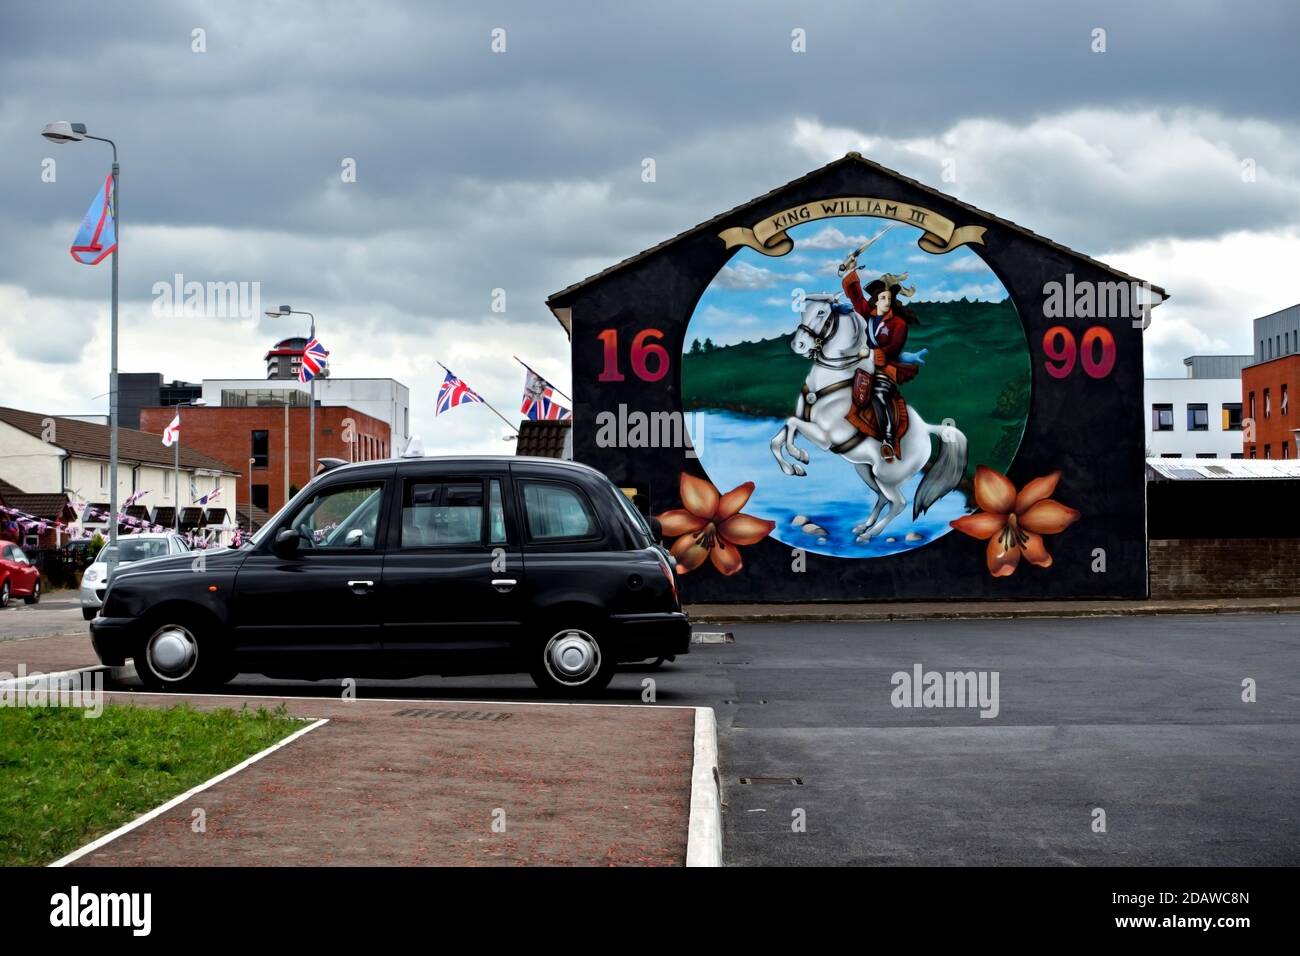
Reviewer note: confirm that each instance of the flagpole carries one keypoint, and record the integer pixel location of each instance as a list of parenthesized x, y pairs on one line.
[(542, 377), (176, 470), (484, 401)]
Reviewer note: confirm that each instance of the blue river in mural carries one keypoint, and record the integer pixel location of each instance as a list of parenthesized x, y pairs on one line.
[(734, 449)]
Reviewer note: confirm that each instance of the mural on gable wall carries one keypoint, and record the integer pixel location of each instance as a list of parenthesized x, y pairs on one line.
[(877, 398)]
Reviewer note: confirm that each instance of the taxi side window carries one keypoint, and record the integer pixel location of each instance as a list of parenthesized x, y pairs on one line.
[(557, 511)]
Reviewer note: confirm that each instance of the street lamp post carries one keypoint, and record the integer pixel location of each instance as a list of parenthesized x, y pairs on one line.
[(311, 407), (176, 467), (65, 132)]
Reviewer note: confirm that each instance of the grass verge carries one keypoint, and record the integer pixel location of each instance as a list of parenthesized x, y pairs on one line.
[(66, 779)]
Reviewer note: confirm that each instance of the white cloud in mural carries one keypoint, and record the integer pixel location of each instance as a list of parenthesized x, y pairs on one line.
[(831, 238)]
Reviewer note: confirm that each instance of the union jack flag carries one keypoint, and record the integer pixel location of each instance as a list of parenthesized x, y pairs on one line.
[(314, 358), (539, 401), (454, 392)]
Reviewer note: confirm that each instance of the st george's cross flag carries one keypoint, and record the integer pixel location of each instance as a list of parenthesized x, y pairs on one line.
[(539, 400), (172, 433), (454, 392), (97, 237), (314, 358)]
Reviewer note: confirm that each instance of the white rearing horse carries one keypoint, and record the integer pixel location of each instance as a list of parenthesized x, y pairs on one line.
[(831, 336)]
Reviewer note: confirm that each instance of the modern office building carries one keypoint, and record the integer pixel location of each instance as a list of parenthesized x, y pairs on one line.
[(1200, 414), (137, 390), (284, 358), (384, 399)]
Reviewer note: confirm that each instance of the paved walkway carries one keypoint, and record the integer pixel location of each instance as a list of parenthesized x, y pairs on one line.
[(413, 783), (48, 654)]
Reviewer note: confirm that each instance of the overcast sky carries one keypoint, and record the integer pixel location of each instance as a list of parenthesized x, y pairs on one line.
[(521, 170)]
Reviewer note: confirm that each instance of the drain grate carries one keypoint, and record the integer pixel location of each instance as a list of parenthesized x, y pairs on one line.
[(453, 714), (712, 637), (772, 781)]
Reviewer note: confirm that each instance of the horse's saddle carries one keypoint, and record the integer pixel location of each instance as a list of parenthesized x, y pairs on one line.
[(863, 417)]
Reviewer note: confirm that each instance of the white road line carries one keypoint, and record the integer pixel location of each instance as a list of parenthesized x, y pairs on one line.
[(176, 801), (704, 835)]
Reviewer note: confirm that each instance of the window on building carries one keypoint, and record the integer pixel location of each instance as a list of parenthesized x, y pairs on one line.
[(1252, 404), (1162, 418), (1198, 417), (1268, 451), (1286, 450), (103, 476), (167, 482), (261, 496), (1232, 416), (1286, 400), (1206, 454), (1236, 454), (1253, 453), (1171, 454), (1268, 403), (261, 453)]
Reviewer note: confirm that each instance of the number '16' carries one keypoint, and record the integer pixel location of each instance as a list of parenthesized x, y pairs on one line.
[(643, 356), (1096, 353)]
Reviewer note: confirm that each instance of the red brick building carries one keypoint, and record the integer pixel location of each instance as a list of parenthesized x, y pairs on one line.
[(1268, 393), (234, 435)]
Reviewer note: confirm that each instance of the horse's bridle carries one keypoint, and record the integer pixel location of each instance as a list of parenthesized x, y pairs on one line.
[(819, 337)]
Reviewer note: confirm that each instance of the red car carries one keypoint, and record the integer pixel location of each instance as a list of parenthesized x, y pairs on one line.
[(18, 576)]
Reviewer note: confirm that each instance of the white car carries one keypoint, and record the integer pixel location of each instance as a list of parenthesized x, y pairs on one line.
[(133, 547)]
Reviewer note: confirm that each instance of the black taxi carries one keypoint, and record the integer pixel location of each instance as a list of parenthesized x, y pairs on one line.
[(409, 567)]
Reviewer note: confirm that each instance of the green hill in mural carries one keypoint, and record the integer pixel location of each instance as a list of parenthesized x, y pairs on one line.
[(976, 373)]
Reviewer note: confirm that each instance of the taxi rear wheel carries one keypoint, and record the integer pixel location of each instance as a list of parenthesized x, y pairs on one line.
[(572, 663)]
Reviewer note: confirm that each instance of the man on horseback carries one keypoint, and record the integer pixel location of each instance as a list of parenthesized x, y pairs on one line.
[(886, 320)]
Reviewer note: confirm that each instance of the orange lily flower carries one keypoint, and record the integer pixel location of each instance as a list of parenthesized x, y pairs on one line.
[(711, 525), (1014, 524)]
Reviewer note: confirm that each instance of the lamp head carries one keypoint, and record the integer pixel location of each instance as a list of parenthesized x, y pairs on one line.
[(64, 132)]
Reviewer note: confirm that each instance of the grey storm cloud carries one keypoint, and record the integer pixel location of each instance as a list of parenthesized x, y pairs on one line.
[(522, 170)]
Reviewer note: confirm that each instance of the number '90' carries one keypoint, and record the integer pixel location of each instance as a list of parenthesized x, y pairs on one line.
[(1096, 353)]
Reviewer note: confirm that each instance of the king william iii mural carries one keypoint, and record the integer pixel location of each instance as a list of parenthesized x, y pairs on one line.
[(856, 422)]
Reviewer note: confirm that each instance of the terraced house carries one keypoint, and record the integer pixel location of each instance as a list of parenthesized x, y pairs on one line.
[(54, 455)]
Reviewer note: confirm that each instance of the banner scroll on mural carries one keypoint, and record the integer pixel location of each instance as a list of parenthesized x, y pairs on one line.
[(769, 237)]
